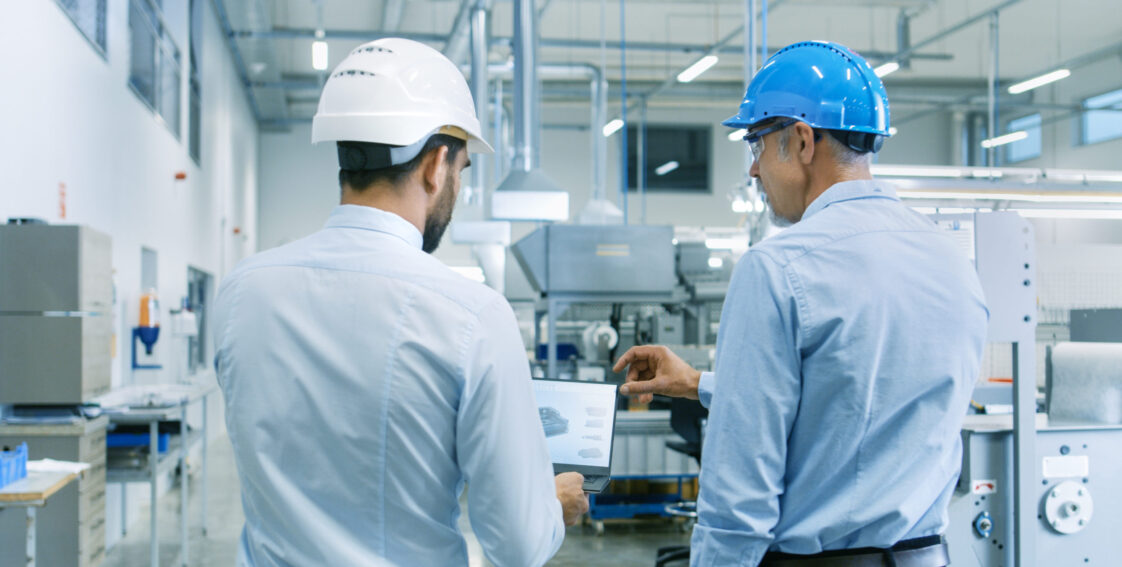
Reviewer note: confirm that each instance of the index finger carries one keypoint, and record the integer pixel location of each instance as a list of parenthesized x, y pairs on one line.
[(632, 354), (624, 360)]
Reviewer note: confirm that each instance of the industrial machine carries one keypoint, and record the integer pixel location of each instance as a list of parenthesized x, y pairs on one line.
[(605, 288), (1072, 483)]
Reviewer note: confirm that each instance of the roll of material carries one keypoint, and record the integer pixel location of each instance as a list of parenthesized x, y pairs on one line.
[(1086, 383)]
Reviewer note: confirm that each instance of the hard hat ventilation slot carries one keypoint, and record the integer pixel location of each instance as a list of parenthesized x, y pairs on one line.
[(372, 49), (354, 73)]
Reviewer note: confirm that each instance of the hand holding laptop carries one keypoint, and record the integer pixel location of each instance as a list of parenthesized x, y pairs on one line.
[(570, 491), (578, 419)]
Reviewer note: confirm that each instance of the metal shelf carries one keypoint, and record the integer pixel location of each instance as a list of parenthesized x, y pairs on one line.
[(167, 461)]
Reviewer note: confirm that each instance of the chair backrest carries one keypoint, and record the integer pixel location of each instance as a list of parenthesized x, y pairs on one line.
[(685, 419)]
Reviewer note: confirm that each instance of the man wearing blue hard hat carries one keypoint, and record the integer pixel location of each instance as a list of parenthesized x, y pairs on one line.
[(848, 348)]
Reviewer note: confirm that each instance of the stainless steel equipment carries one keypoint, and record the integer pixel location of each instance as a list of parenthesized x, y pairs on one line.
[(580, 259)]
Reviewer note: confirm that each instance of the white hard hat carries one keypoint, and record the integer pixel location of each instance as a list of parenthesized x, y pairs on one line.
[(397, 92)]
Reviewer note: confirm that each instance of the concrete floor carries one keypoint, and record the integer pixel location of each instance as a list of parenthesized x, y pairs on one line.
[(624, 544)]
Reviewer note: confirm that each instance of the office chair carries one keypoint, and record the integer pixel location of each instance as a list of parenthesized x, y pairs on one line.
[(687, 419)]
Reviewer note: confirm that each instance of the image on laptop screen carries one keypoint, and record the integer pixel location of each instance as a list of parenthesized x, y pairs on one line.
[(579, 420)]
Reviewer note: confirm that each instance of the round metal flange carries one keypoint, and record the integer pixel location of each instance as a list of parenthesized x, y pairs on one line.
[(1068, 507)]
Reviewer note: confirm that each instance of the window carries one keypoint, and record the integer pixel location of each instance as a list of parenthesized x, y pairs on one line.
[(194, 91), (198, 298), (677, 158), (89, 17), (154, 65), (1103, 118), (1029, 147)]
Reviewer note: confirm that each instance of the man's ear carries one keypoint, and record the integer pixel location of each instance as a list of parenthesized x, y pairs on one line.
[(434, 168), (804, 135)]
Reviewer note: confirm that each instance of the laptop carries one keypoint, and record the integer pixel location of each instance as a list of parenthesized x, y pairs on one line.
[(579, 419)]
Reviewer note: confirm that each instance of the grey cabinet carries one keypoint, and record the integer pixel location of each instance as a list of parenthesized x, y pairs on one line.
[(71, 527), (56, 328), (55, 268)]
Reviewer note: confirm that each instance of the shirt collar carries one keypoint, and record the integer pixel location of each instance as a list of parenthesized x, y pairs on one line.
[(850, 190), (370, 218)]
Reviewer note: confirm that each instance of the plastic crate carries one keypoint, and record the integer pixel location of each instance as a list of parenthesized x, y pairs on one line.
[(13, 465)]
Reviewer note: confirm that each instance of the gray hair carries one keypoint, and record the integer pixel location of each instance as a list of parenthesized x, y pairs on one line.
[(844, 155)]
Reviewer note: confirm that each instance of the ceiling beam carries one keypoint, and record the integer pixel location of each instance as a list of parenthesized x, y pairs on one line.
[(559, 43)]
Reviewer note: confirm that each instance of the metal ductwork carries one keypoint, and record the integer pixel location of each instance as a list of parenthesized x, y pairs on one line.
[(527, 193)]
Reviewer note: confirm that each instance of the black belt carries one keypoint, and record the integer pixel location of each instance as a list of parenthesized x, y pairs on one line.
[(920, 552)]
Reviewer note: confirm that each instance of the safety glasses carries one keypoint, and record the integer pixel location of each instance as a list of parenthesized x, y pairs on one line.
[(756, 139)]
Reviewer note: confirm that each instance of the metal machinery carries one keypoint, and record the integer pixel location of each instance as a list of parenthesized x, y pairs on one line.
[(1028, 493), (1074, 501), (590, 277), (604, 288)]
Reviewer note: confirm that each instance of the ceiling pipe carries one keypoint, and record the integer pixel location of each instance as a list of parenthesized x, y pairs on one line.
[(456, 44), (236, 54), (479, 80), (673, 78), (598, 102), (392, 11), (527, 105), (904, 36), (527, 193), (1073, 63), (910, 52)]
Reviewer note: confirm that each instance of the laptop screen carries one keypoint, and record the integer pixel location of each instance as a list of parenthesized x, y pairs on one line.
[(579, 421)]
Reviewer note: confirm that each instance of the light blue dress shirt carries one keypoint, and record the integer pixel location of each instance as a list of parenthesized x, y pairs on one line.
[(847, 354), (365, 383)]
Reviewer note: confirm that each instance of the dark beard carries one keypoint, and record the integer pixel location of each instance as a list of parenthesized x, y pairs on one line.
[(437, 221)]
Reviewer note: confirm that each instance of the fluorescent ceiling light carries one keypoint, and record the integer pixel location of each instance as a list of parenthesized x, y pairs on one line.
[(948, 210), (716, 263), (612, 127), (724, 243), (737, 135), (1054, 197), (1102, 214), (1040, 81), (887, 68), (319, 55), (700, 66), (987, 174), (666, 168), (1005, 139), (1078, 176), (914, 171)]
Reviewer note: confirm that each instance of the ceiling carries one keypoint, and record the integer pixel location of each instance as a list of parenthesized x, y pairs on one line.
[(663, 36)]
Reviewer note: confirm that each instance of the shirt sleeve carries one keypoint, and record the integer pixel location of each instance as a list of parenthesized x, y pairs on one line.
[(501, 448), (755, 397), (705, 388)]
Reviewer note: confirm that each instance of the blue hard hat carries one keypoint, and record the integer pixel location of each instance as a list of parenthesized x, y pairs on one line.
[(822, 83)]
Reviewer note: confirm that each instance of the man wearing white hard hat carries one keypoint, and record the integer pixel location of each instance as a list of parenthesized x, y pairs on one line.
[(365, 382)]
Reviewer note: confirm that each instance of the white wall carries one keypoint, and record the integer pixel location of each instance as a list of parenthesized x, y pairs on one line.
[(70, 118), (299, 185)]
